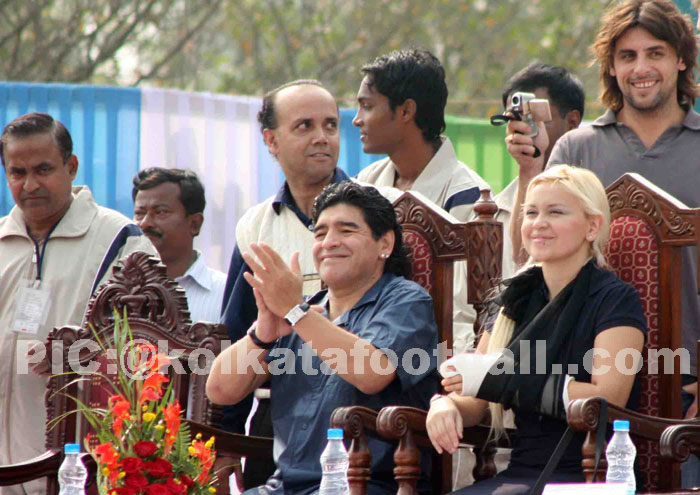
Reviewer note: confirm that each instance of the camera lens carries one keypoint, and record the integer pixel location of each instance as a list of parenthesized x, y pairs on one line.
[(515, 100)]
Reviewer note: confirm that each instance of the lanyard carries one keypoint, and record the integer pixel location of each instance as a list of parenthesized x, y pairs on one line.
[(39, 252)]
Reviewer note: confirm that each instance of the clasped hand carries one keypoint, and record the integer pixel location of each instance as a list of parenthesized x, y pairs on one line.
[(277, 289)]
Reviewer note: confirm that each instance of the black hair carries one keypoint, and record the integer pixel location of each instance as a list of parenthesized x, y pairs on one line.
[(414, 74), (564, 88), (191, 189), (377, 211), (38, 123), (266, 116)]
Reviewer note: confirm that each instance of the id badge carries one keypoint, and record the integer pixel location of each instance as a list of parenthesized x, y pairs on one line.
[(32, 302)]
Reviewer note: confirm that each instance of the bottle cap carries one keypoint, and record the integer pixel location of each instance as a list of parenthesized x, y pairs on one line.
[(334, 433), (71, 448), (621, 425)]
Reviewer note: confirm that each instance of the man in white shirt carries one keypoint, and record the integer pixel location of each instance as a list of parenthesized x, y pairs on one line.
[(56, 245), (401, 112), (169, 208)]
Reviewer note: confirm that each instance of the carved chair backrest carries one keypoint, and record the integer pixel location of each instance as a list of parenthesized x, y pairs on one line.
[(435, 243), (650, 229), (156, 310)]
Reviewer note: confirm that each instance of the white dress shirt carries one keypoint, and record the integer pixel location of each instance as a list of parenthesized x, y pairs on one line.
[(204, 288)]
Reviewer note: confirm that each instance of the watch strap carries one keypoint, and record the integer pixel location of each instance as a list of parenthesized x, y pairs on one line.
[(256, 340), (297, 313)]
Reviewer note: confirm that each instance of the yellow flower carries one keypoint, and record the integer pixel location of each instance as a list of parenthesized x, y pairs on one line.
[(210, 443), (160, 427), (211, 489), (144, 408), (198, 436), (148, 417), (105, 471), (191, 451), (122, 475)]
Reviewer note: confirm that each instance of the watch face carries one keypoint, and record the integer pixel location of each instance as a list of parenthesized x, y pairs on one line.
[(295, 314)]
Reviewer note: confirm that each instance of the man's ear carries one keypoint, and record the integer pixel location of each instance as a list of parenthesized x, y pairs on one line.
[(72, 165), (572, 119), (270, 139), (195, 221), (681, 65), (407, 110), (386, 242)]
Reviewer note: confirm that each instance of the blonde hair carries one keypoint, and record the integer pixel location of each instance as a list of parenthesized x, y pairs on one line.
[(588, 189)]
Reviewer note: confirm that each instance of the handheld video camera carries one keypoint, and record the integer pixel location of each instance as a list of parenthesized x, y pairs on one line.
[(525, 107)]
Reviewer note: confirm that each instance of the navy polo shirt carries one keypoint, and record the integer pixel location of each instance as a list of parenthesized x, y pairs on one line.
[(395, 314)]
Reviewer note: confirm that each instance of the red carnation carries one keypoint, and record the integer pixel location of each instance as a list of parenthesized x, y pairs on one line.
[(186, 480), (122, 490), (175, 487), (131, 465), (137, 481), (145, 448), (158, 468), (157, 489)]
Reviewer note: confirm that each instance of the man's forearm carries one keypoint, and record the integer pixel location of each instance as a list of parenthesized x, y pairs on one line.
[(237, 372), (337, 346)]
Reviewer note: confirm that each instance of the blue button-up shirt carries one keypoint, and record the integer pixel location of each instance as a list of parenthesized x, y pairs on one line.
[(239, 310), (395, 314)]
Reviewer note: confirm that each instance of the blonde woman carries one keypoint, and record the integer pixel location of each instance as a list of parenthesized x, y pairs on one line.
[(539, 353)]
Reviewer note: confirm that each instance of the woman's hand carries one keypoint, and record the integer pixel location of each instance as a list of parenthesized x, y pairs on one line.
[(452, 383), (444, 424)]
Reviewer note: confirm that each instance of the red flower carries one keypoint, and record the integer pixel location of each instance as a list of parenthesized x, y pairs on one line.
[(175, 487), (106, 455), (158, 468), (145, 448), (119, 408), (131, 465), (157, 489), (186, 480), (122, 490), (137, 481), (152, 387), (171, 413)]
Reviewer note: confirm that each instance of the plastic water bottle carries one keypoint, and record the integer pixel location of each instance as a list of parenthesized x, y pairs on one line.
[(72, 474), (334, 463), (620, 455)]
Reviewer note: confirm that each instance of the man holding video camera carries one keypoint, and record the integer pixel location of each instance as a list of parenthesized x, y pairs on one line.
[(647, 52), (566, 98)]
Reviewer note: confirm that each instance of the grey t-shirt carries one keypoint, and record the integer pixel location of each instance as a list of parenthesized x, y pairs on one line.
[(610, 148)]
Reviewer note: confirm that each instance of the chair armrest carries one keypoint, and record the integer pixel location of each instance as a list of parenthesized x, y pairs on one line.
[(583, 415), (679, 441), (46, 464), (234, 443), (355, 422), (407, 424)]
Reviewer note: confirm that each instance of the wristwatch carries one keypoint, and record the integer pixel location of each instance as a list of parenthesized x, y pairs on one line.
[(296, 313), (256, 340)]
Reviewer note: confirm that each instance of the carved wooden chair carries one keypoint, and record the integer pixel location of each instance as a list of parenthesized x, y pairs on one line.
[(156, 309), (649, 231), (434, 243)]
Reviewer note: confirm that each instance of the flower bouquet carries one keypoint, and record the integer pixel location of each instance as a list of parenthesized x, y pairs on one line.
[(141, 445)]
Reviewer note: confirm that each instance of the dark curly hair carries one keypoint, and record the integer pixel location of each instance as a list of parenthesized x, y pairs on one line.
[(414, 74), (663, 20), (377, 211)]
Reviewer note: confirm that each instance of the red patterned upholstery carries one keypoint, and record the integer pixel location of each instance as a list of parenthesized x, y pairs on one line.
[(421, 258), (633, 254)]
